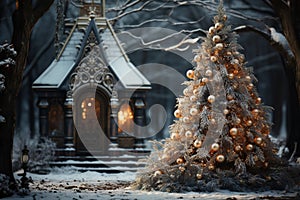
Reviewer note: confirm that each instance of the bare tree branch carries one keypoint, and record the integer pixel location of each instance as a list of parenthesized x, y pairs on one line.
[(170, 21), (131, 11)]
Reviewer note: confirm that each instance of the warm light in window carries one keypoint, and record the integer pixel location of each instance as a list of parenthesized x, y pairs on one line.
[(125, 114), (125, 117)]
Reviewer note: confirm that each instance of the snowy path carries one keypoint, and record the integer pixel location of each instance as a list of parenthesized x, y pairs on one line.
[(67, 184)]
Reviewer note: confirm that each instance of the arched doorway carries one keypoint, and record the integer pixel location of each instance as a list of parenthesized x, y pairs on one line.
[(92, 120)]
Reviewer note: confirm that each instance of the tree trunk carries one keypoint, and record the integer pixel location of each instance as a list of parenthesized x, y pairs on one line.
[(20, 40), (24, 18), (7, 102), (288, 13)]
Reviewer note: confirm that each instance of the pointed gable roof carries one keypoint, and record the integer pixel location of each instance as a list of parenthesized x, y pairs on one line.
[(91, 32), (56, 76)]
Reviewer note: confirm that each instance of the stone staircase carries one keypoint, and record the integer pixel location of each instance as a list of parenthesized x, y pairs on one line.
[(114, 161)]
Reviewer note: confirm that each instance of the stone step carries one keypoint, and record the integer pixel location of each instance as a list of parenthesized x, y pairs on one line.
[(112, 166), (112, 161), (100, 158)]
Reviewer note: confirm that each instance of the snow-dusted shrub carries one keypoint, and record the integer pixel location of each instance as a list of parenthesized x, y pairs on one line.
[(4, 186), (41, 153)]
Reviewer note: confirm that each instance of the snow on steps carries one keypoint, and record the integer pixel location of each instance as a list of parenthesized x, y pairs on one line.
[(115, 161)]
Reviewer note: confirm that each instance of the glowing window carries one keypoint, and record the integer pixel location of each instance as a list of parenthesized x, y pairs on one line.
[(125, 119)]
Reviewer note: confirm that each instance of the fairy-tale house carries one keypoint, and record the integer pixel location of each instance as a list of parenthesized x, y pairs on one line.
[(91, 94)]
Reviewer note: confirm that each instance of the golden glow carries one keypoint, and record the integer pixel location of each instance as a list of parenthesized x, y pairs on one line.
[(87, 107), (125, 116)]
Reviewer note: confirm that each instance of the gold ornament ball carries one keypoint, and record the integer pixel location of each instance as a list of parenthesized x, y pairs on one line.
[(229, 97), (219, 46), (195, 91), (182, 169), (236, 72), (258, 140), (179, 161), (199, 176), (235, 61), (197, 58), (197, 143), (216, 38), (190, 74), (186, 91), (226, 111), (218, 26), (237, 148), (188, 134), (233, 131), (204, 80), (230, 76), (220, 158), (211, 30), (193, 98), (193, 111), (213, 58), (258, 100), (186, 119), (157, 173), (174, 136), (211, 167), (248, 78), (177, 113), (211, 98), (212, 121), (225, 17), (215, 147), (208, 73), (228, 53), (249, 147), (249, 122), (238, 121), (241, 58), (255, 112), (250, 86)]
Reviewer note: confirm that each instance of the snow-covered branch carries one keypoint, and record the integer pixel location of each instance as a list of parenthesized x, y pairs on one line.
[(276, 39)]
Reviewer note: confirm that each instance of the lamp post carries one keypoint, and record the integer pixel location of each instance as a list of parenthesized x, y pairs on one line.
[(24, 160)]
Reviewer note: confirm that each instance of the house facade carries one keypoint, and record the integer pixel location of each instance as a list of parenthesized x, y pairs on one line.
[(91, 95)]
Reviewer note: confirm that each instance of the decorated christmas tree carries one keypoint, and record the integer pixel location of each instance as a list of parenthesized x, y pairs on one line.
[(220, 138)]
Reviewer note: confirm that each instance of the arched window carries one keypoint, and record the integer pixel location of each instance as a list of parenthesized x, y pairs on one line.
[(125, 119)]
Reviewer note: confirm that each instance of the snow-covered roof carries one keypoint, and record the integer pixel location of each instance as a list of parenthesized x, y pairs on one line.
[(60, 69)]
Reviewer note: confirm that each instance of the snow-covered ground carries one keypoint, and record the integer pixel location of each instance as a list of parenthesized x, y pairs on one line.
[(66, 183)]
